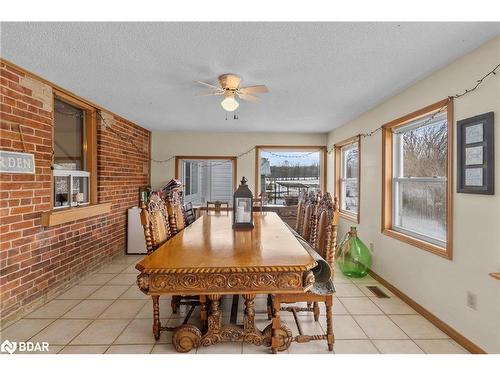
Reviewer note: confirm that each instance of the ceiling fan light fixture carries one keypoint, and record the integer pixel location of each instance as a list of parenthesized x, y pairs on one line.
[(230, 104)]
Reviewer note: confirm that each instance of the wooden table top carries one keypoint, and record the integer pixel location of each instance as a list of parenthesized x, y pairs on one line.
[(211, 245)]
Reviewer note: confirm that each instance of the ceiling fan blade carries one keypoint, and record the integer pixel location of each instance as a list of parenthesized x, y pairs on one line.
[(248, 97), (210, 93), (209, 85), (253, 89)]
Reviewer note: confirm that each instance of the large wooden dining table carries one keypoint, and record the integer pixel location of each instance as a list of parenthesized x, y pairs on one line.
[(210, 259)]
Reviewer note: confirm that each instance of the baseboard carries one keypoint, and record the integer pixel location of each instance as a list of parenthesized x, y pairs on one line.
[(455, 335)]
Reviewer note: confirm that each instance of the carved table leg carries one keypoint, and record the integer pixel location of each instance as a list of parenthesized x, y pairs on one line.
[(276, 324), (281, 334), (212, 336), (249, 317), (203, 313), (329, 323), (251, 333), (156, 317)]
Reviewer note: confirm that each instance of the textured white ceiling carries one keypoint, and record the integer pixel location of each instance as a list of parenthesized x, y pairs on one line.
[(320, 75)]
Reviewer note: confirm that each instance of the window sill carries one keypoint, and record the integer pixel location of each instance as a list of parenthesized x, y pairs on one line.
[(61, 216), (349, 216), (427, 246)]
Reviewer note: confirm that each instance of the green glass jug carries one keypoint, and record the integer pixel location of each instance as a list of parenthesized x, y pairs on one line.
[(354, 258)]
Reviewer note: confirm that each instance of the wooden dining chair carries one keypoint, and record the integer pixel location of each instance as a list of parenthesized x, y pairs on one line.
[(175, 211), (304, 227), (216, 206), (324, 234), (310, 203), (299, 222), (189, 214), (324, 231), (154, 220)]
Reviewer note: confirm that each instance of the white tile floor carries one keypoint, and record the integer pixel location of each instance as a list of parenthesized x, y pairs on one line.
[(106, 313)]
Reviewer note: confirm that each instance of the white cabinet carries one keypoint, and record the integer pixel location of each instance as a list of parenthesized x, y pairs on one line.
[(136, 244)]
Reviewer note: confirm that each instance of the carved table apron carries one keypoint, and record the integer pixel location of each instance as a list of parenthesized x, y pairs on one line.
[(265, 260)]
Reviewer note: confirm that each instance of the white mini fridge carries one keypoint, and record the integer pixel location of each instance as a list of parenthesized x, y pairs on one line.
[(136, 244)]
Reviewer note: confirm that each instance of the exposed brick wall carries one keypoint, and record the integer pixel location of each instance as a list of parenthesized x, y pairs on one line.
[(37, 262)]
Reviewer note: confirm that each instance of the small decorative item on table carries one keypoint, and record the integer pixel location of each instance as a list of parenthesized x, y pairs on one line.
[(243, 207), (354, 258)]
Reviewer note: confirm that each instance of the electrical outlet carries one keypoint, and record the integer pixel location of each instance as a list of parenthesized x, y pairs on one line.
[(472, 300), (372, 247)]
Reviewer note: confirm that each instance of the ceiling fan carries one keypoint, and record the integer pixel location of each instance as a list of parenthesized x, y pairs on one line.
[(230, 88)]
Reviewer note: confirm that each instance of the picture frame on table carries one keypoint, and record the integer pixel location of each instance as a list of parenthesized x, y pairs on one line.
[(476, 155)]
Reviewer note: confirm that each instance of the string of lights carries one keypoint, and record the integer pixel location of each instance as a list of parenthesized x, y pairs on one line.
[(206, 163), (210, 163), (330, 149), (201, 164), (291, 156), (492, 72)]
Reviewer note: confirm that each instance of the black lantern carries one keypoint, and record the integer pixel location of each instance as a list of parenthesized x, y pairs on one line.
[(243, 207)]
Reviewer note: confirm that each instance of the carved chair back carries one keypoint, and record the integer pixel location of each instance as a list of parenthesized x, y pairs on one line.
[(324, 233), (310, 203), (154, 220), (175, 211), (300, 213)]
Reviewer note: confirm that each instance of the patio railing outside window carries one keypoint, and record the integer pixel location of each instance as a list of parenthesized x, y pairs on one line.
[(284, 174)]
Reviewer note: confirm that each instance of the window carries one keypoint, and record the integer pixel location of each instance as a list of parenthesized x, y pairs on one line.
[(207, 178), (347, 177), (73, 163), (416, 178), (282, 172)]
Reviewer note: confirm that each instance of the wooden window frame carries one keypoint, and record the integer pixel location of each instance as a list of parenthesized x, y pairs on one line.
[(89, 141), (338, 159), (387, 177), (323, 161), (191, 157), (57, 216)]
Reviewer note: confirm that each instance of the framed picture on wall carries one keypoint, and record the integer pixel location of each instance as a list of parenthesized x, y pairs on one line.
[(476, 155)]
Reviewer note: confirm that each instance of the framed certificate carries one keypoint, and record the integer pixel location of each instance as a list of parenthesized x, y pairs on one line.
[(476, 156)]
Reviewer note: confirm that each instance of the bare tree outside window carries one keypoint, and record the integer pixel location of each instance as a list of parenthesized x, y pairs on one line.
[(349, 179), (420, 178)]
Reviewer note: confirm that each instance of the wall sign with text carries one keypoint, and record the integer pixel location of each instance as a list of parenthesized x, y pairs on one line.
[(17, 162), (476, 155)]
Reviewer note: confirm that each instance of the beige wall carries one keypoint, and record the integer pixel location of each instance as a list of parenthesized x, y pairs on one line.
[(167, 144), (438, 284)]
